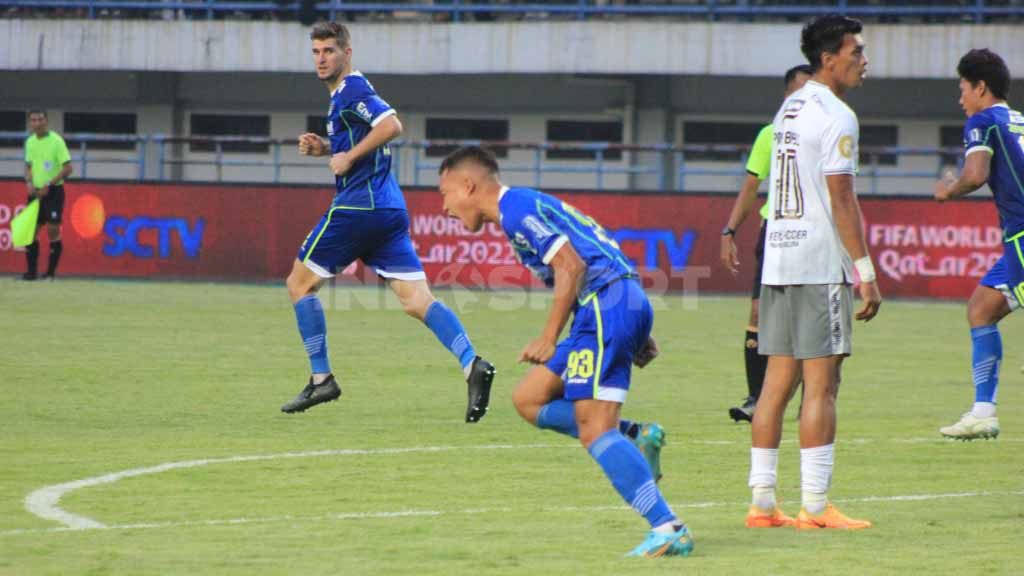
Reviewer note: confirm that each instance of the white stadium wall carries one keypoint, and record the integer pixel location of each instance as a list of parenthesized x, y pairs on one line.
[(636, 46)]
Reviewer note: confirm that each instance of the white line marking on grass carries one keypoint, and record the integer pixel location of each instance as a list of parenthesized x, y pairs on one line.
[(44, 501), (474, 512)]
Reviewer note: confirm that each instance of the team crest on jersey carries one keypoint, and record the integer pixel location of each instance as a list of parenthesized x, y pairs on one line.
[(974, 135), (330, 128), (47, 165), (845, 146), (363, 111)]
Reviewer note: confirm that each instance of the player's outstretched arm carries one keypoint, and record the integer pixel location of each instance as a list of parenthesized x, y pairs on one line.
[(846, 212), (973, 176), (740, 210), (570, 271)]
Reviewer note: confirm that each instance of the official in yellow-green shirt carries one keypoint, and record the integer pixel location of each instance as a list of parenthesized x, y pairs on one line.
[(47, 164), (759, 166)]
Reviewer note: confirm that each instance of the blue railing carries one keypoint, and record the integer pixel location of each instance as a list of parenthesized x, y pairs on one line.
[(974, 10), (668, 165)]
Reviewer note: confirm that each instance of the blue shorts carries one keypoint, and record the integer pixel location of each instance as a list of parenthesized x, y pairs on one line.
[(380, 238), (1007, 275), (608, 328)]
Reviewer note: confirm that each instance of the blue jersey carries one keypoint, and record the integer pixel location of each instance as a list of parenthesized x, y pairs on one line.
[(1000, 131), (538, 225), (355, 110)]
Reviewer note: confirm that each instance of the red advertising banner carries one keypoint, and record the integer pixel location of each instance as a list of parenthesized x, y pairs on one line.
[(201, 231)]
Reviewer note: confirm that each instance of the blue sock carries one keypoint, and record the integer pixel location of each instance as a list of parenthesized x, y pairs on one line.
[(560, 416), (630, 428), (988, 352), (446, 326), (313, 329), (626, 468)]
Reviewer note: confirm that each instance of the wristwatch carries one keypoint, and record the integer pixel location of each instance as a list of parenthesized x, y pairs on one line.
[(728, 231)]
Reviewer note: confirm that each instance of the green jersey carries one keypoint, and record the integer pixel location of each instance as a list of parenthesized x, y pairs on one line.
[(759, 164), (46, 156)]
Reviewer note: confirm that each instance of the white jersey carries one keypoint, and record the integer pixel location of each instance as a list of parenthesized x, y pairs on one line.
[(814, 134)]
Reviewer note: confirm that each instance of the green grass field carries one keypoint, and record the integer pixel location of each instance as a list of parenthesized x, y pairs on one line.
[(102, 377)]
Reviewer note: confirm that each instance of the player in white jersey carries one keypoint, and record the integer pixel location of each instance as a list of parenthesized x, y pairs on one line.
[(814, 240)]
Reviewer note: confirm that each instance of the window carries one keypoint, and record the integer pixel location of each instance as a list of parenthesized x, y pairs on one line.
[(734, 133), (317, 125), (99, 123), (465, 129), (13, 121), (878, 136), (951, 137), (584, 131), (229, 125)]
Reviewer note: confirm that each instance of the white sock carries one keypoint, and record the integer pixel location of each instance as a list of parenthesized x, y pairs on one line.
[(319, 378), (666, 528), (467, 369), (763, 476), (816, 476), (984, 409), (814, 502)]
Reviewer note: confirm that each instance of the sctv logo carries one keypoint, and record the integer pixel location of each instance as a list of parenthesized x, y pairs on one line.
[(138, 236)]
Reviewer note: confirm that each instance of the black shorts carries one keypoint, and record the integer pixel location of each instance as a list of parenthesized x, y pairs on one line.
[(755, 293), (51, 206)]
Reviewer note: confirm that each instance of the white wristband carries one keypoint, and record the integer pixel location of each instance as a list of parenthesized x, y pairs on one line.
[(865, 269)]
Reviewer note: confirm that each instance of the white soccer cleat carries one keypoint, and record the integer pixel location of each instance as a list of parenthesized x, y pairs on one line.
[(971, 427)]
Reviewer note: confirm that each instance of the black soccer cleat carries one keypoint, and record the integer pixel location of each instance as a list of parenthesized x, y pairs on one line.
[(481, 375), (29, 276), (313, 394), (744, 412)]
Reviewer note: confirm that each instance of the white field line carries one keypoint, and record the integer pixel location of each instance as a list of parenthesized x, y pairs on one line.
[(45, 501), (474, 511)]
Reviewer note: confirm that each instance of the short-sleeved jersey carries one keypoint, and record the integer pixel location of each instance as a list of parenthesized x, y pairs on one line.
[(46, 155), (1000, 132), (759, 164), (355, 109), (538, 225), (815, 135)]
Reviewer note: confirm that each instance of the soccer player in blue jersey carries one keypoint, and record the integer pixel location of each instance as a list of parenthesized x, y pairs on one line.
[(994, 154), (367, 220), (578, 385)]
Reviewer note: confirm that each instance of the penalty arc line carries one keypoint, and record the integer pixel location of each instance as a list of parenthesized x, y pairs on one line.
[(473, 511), (45, 501)]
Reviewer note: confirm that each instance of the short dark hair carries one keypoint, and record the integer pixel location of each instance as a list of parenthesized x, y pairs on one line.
[(481, 156), (985, 65), (324, 30), (798, 69), (825, 34), (32, 111)]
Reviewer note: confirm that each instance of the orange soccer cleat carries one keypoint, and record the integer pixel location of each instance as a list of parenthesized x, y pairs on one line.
[(758, 518), (830, 518)]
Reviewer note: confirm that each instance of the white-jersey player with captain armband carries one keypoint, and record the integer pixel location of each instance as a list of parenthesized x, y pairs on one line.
[(814, 242)]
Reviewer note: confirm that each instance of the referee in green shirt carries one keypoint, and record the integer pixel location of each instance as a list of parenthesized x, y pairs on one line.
[(47, 164), (758, 168)]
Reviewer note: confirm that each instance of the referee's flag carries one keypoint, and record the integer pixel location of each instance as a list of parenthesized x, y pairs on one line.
[(23, 226)]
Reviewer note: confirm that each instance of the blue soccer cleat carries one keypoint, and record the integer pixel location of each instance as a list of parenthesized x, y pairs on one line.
[(658, 544), (650, 440)]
